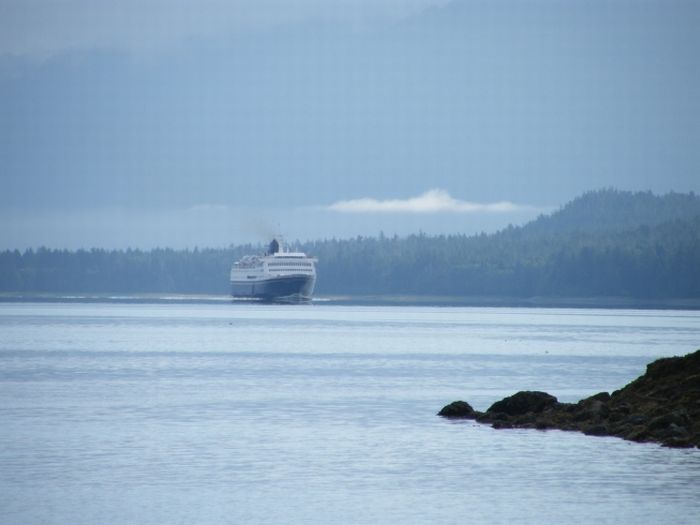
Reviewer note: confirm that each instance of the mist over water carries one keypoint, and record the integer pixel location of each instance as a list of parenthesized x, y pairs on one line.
[(247, 413)]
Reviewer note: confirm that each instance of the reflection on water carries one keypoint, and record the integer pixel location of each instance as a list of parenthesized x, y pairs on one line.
[(234, 413)]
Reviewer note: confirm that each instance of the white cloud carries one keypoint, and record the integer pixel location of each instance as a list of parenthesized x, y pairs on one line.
[(43, 28), (433, 201)]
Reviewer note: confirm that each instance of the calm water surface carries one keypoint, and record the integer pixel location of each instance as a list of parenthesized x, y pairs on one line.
[(320, 414)]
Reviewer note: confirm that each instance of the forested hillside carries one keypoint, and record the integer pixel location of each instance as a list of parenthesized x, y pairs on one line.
[(603, 244), (611, 210)]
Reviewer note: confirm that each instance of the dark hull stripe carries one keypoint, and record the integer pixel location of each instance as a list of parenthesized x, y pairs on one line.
[(301, 286)]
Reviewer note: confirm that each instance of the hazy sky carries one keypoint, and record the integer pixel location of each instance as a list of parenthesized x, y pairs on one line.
[(186, 123)]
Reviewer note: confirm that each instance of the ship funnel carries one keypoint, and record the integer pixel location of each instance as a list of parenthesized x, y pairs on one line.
[(274, 247)]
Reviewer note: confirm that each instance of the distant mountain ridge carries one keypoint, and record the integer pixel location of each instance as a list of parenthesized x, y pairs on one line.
[(614, 210), (605, 243)]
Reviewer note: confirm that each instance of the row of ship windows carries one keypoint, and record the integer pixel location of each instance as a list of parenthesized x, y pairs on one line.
[(284, 269), (305, 265), (257, 276)]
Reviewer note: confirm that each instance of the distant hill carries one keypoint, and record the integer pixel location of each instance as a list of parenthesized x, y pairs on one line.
[(613, 210), (606, 243)]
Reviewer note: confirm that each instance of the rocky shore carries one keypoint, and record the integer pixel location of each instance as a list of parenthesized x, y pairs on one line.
[(662, 406)]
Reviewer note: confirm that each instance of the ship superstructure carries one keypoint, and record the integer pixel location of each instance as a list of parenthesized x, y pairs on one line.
[(277, 275)]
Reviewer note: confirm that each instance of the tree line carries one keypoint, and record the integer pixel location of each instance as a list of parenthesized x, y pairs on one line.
[(605, 243)]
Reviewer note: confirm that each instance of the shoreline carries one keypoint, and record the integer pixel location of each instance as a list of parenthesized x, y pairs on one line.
[(607, 303)]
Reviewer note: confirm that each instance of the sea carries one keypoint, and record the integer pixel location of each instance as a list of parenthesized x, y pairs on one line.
[(243, 413)]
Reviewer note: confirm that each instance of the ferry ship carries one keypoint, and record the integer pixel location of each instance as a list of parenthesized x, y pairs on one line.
[(278, 275)]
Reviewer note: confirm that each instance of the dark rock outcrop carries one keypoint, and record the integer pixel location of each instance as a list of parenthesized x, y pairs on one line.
[(662, 406), (458, 410), (523, 403)]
